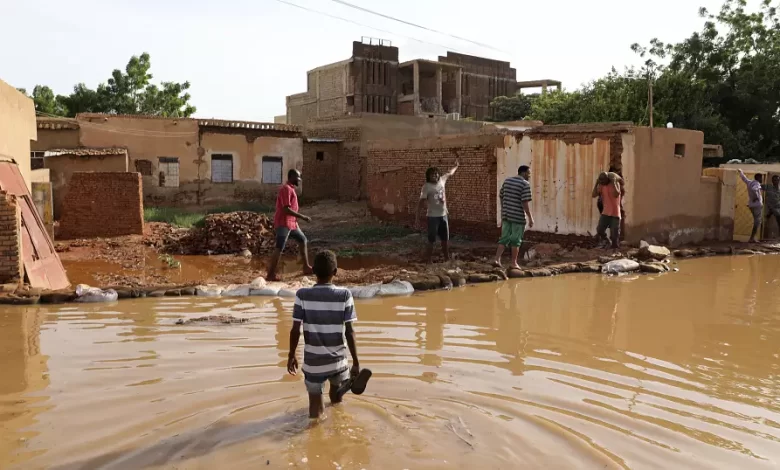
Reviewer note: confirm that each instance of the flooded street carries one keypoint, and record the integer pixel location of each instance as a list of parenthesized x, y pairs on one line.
[(579, 371)]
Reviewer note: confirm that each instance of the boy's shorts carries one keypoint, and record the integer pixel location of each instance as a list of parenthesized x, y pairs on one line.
[(315, 385)]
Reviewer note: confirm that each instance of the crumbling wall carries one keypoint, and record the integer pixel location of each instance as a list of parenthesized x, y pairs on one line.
[(482, 80), (103, 205), (396, 173), (11, 266)]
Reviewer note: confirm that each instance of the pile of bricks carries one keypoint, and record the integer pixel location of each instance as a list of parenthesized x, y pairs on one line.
[(11, 267), (103, 204)]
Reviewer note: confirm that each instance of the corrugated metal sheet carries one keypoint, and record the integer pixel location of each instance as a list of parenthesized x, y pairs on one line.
[(562, 178), (41, 263)]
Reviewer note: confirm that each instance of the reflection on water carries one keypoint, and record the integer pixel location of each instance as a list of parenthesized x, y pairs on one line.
[(676, 371)]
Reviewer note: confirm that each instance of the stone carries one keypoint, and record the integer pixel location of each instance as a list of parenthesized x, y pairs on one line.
[(685, 253), (543, 272), (446, 282), (655, 268), (156, 294), (567, 268), (189, 291), (173, 293), (246, 253), (517, 273), (605, 259), (425, 282), (643, 244), (57, 297), (501, 274), (657, 253), (458, 279), (479, 278), (124, 293), (589, 267)]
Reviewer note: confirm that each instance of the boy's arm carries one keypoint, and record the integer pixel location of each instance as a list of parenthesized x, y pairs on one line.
[(349, 332), (595, 192), (295, 335), (420, 205)]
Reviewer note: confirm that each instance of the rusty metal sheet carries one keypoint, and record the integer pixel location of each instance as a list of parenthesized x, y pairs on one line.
[(41, 263)]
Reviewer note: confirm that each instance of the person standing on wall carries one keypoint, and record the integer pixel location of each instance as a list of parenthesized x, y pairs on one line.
[(608, 188), (773, 200), (755, 201), (286, 223), (434, 194), (515, 197)]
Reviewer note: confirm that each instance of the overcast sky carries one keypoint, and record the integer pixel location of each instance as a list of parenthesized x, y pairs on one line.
[(244, 56)]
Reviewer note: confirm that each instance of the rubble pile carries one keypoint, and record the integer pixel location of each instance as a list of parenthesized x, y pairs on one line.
[(227, 233)]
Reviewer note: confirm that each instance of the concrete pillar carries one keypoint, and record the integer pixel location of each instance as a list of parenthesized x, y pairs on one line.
[(438, 90), (459, 89), (416, 83), (317, 87), (544, 88)]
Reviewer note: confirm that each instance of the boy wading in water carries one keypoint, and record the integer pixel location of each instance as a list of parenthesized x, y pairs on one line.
[(438, 224), (327, 313)]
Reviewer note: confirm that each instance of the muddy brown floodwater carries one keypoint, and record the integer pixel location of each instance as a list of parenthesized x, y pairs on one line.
[(581, 371)]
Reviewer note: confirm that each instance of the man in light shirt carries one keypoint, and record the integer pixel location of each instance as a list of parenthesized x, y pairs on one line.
[(755, 201)]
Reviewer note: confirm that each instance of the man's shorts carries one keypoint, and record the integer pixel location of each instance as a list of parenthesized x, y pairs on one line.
[(315, 385), (283, 233), (438, 226), (511, 234), (757, 211)]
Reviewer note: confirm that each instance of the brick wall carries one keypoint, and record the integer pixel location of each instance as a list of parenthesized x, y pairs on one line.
[(103, 205), (395, 177), (11, 267), (321, 175), (351, 166)]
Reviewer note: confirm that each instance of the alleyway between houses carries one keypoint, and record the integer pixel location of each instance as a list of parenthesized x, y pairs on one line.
[(582, 371)]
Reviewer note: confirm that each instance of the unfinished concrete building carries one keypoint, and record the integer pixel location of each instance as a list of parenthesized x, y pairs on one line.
[(366, 82), (372, 81)]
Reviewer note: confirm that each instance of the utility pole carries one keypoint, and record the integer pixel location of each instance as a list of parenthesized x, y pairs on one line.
[(650, 104)]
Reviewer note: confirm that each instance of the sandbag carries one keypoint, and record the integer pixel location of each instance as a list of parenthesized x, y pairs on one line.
[(287, 292), (396, 288), (364, 292), (618, 266), (208, 291), (234, 290), (264, 291), (87, 294)]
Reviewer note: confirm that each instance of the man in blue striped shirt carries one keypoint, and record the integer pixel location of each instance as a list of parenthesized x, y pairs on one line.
[(515, 196), (327, 313)]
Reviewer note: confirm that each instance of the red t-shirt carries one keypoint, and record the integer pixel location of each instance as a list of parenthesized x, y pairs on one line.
[(286, 197), (611, 203)]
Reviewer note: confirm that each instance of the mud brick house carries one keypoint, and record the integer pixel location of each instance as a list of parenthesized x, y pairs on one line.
[(373, 81), (668, 198), (182, 161), (26, 250)]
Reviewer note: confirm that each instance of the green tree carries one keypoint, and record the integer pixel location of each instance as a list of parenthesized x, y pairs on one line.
[(125, 92), (513, 108), (723, 80)]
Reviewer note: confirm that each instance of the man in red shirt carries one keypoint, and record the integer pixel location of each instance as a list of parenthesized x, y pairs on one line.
[(286, 223), (608, 188)]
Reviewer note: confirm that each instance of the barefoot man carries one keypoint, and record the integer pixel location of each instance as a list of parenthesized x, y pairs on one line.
[(286, 223), (438, 225), (515, 196)]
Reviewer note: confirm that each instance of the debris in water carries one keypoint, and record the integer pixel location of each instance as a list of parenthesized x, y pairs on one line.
[(224, 319)]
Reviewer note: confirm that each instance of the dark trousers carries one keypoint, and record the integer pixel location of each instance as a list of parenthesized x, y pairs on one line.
[(611, 223)]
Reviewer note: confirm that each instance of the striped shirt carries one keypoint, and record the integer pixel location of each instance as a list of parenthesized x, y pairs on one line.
[(514, 192), (323, 310)]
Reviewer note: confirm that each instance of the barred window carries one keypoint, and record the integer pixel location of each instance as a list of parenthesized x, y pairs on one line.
[(169, 172), (272, 170), (221, 168)]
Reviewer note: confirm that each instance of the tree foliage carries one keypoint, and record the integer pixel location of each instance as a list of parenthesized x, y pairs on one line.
[(126, 92), (723, 80)]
